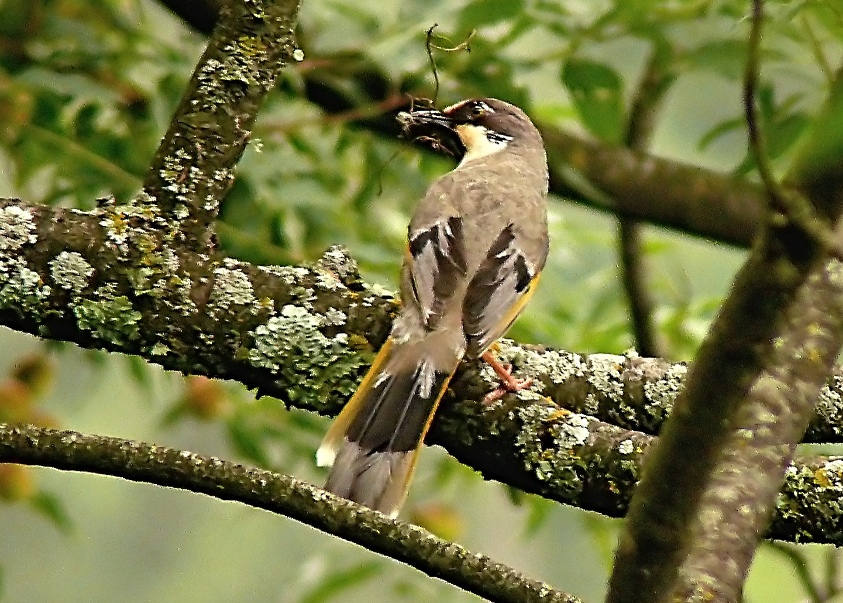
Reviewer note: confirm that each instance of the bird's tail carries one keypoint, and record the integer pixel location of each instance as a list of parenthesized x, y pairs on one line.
[(373, 444)]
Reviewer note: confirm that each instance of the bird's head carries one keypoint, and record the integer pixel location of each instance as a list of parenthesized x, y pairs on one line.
[(472, 128)]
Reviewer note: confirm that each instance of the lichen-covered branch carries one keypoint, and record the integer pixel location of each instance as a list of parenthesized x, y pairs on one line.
[(141, 462), (111, 279), (762, 439), (306, 335), (193, 167)]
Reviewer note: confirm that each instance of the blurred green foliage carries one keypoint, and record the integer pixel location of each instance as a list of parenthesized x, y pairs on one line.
[(87, 88)]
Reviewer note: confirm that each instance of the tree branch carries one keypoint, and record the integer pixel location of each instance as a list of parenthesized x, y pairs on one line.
[(657, 79), (306, 334), (192, 168), (280, 494), (747, 399)]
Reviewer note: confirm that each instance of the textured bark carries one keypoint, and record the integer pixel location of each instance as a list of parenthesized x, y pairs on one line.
[(280, 494), (722, 435)]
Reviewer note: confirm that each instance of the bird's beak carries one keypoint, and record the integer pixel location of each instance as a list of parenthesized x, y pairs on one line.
[(425, 117), (434, 128)]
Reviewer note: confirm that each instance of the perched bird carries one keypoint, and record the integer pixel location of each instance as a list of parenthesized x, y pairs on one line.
[(477, 243)]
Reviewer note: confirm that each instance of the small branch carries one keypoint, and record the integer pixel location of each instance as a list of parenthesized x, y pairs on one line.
[(283, 495), (633, 276), (642, 116), (757, 141), (785, 204)]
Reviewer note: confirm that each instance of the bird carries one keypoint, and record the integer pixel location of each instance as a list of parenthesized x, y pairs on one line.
[(477, 243)]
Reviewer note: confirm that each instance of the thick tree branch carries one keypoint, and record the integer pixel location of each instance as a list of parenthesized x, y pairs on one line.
[(725, 442), (141, 462), (304, 336)]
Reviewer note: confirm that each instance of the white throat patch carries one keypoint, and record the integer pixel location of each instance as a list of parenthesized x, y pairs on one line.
[(479, 142)]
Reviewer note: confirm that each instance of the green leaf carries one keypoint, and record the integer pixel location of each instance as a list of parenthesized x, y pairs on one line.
[(724, 127), (141, 373), (487, 12), (539, 511), (724, 57), (51, 507), (597, 92), (329, 588), (247, 442)]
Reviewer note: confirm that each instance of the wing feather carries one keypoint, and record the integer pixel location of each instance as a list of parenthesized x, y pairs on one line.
[(437, 263), (497, 292)]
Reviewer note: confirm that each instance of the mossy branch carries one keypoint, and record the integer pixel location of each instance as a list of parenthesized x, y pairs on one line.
[(192, 169), (103, 279), (287, 496)]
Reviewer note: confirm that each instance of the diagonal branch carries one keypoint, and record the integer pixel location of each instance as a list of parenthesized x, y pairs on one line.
[(192, 169), (748, 397), (283, 495)]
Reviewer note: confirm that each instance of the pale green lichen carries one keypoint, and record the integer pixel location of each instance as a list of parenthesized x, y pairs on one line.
[(232, 287), (829, 406), (606, 375), (553, 365), (70, 270), (159, 349), (290, 275), (547, 440), (21, 288), (117, 221), (111, 318), (334, 317), (660, 394), (17, 228), (626, 447), (314, 366)]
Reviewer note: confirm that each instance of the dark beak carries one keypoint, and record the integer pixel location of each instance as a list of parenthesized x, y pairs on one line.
[(432, 128), (425, 118)]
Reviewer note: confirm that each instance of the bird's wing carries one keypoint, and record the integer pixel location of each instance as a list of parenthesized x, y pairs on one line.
[(498, 291), (436, 264)]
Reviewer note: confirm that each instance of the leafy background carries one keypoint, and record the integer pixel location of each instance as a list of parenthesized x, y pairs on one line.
[(87, 88)]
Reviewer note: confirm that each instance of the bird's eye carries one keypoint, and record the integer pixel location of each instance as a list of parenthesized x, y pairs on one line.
[(478, 110)]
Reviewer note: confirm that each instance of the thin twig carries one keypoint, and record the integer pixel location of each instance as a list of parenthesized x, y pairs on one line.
[(797, 559), (640, 125), (788, 203), (429, 46), (817, 50)]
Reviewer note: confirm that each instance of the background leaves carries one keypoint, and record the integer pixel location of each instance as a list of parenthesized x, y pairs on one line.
[(86, 90)]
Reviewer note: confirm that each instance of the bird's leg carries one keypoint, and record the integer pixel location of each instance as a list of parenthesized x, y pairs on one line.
[(508, 383)]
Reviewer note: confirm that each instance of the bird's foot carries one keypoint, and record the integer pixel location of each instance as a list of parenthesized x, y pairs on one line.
[(508, 383)]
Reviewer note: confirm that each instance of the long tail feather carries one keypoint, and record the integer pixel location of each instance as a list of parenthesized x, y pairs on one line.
[(374, 442)]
